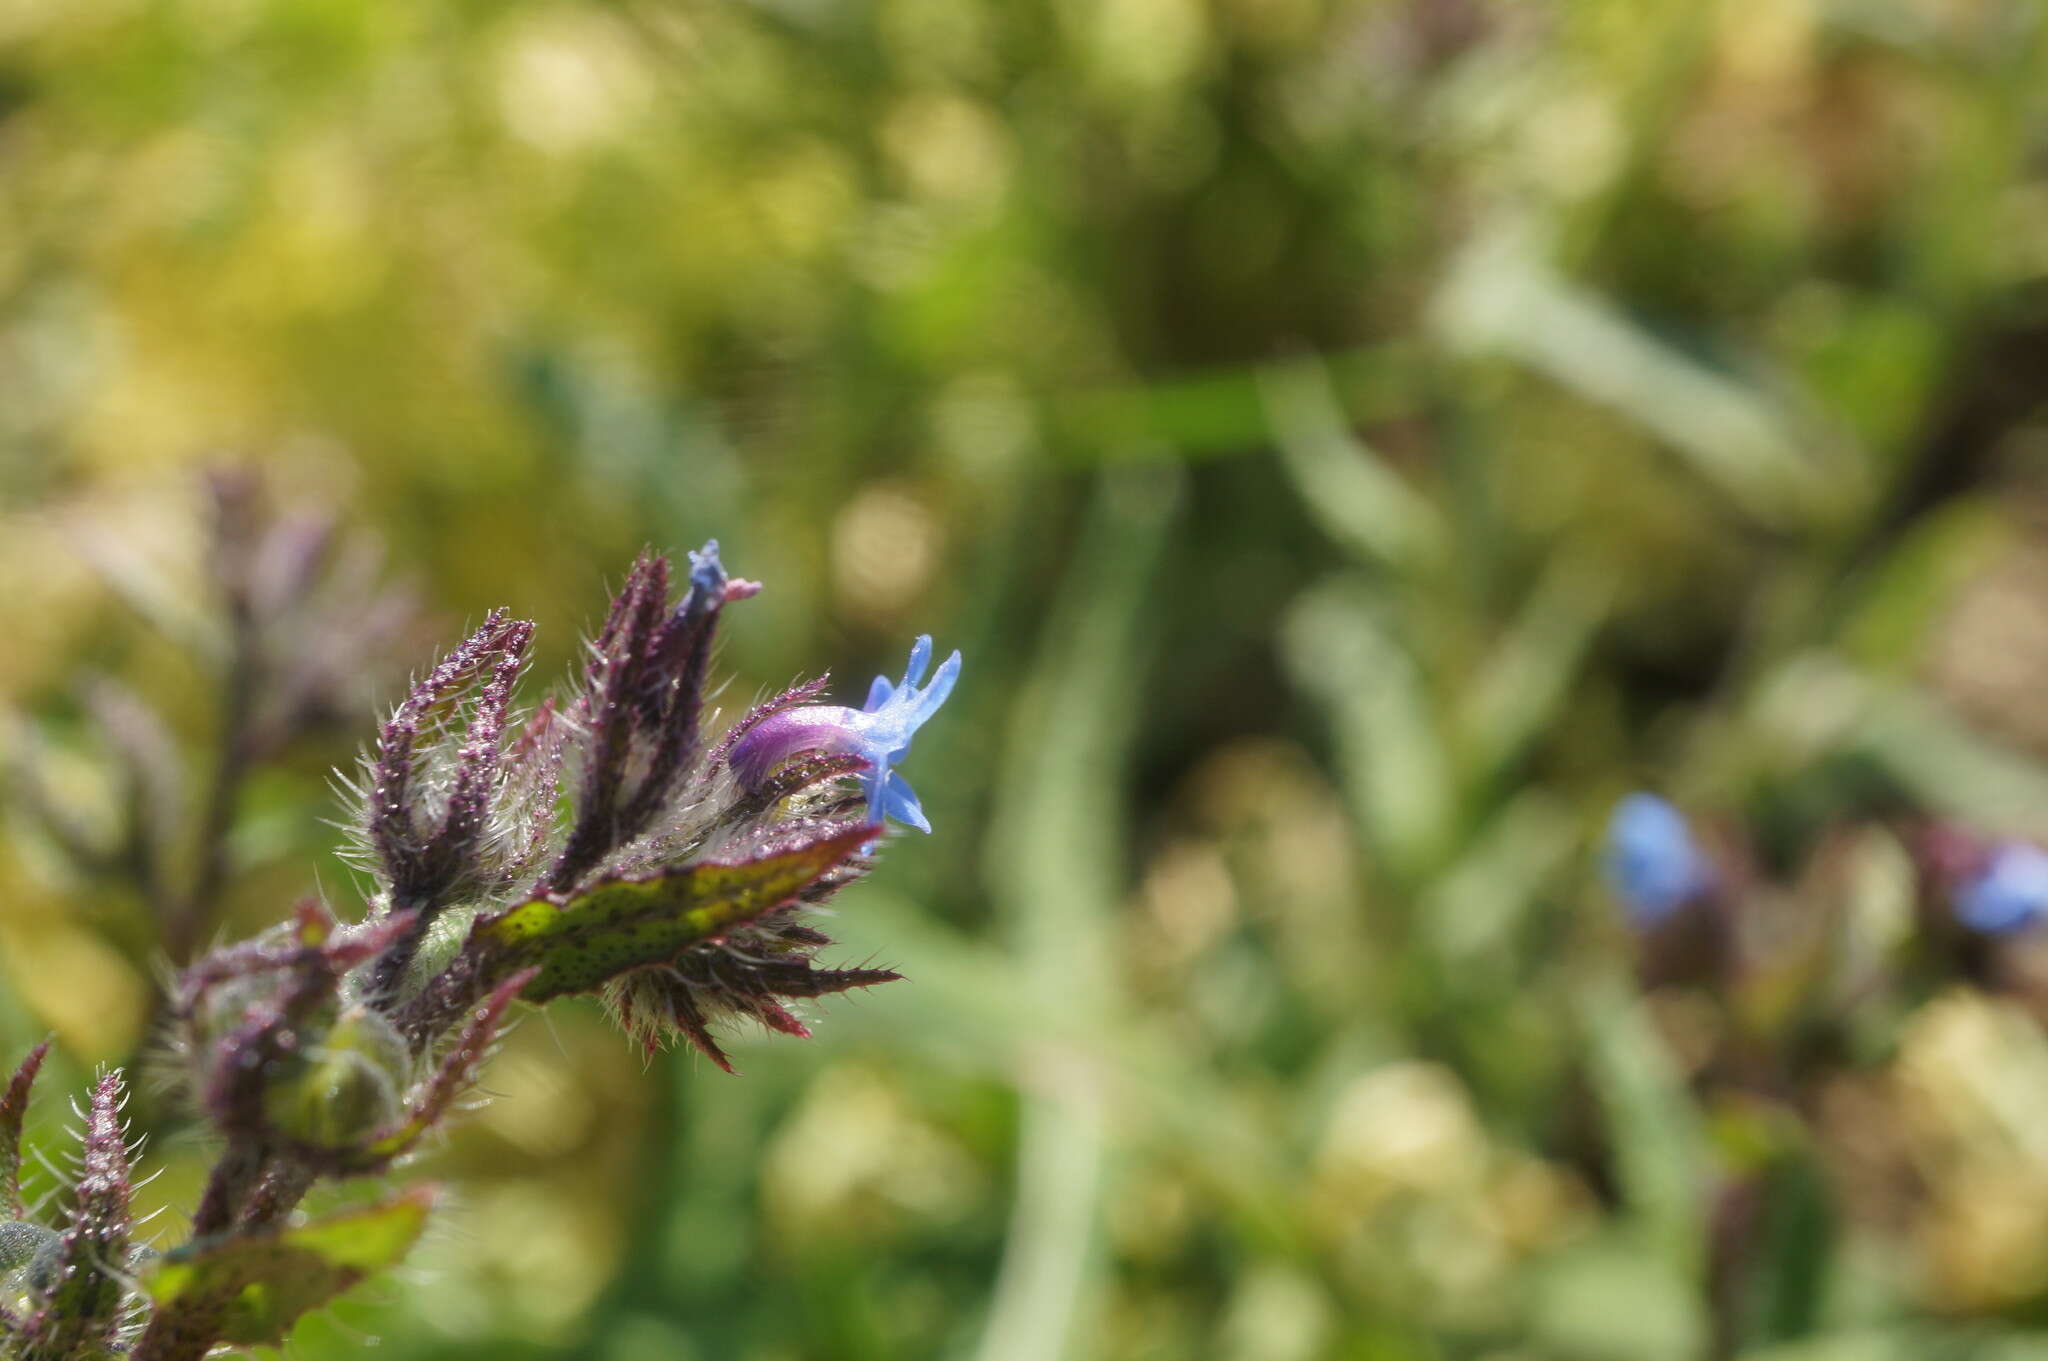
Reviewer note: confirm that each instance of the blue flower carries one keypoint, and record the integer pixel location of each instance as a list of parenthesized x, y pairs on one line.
[(879, 733), (1652, 862), (707, 575), (2010, 891)]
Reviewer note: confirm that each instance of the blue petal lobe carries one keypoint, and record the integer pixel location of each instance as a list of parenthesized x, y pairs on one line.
[(920, 658), (900, 803), (707, 573), (933, 695)]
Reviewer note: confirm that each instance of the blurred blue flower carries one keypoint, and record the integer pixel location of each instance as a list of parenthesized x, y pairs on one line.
[(1652, 862), (879, 733), (707, 574), (2008, 893)]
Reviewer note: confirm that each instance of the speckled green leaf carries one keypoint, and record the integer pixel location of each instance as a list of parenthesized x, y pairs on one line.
[(580, 944), (251, 1289)]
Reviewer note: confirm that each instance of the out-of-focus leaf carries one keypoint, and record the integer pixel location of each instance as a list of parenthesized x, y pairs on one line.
[(621, 924), (1359, 501), (966, 1012), (1471, 911), (153, 593), (73, 828), (1815, 703), (1889, 624), (1502, 297), (1654, 1128), (1229, 411), (1521, 687), (1608, 1300), (1794, 1267), (1058, 874), (257, 1285), (1876, 368), (1948, 765), (1907, 1342), (1390, 752)]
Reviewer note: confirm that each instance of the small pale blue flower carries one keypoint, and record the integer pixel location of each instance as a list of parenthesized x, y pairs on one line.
[(879, 733), (2009, 893), (707, 573), (1652, 862)]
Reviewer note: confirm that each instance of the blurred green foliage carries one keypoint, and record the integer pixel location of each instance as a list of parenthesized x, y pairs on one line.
[(1351, 440)]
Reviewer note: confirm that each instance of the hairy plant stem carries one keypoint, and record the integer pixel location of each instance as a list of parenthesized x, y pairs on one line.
[(247, 1188), (188, 1339), (277, 1194), (228, 1187)]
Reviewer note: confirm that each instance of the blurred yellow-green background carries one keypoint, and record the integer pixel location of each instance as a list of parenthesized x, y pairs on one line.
[(1352, 442)]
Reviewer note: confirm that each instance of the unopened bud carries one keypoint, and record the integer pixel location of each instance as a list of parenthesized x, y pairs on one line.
[(349, 1086)]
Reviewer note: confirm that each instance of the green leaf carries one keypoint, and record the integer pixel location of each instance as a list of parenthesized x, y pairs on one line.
[(1504, 297), (250, 1289), (1798, 1251), (1525, 684), (1056, 846), (579, 944), (1390, 745), (1910, 1341), (1660, 1148), (1575, 1299), (1224, 412), (1347, 486)]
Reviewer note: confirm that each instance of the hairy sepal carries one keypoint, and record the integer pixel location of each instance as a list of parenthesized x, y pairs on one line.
[(81, 1315), (13, 1112)]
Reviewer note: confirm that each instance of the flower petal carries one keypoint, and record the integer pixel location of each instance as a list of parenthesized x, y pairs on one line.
[(920, 659), (899, 801), (933, 695)]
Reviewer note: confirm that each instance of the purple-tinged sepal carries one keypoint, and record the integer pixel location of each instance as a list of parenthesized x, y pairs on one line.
[(81, 1312), (637, 716), (658, 1006), (429, 794), (13, 1115)]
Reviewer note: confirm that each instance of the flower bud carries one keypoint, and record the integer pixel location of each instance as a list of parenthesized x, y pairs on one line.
[(347, 1085)]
